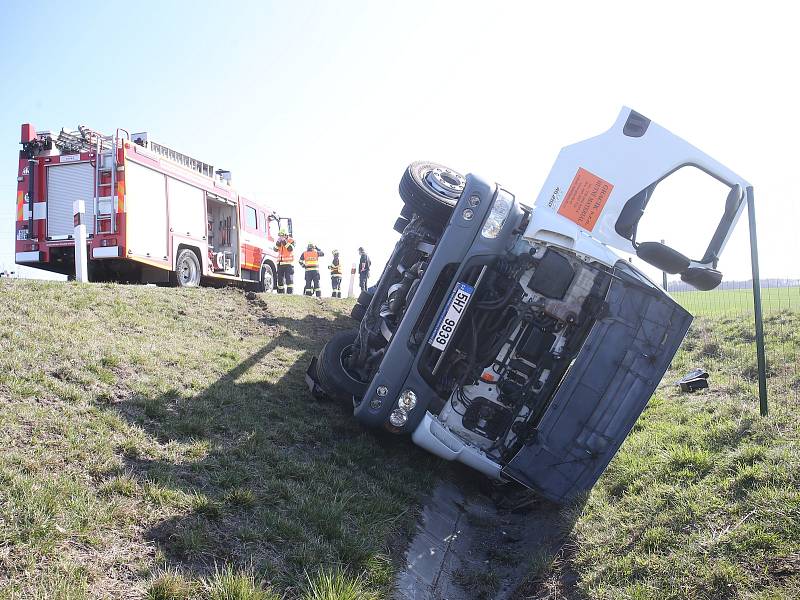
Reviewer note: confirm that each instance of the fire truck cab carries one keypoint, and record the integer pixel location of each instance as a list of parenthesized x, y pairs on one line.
[(153, 215)]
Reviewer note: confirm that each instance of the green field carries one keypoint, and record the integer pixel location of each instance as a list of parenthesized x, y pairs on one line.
[(739, 302), (160, 443)]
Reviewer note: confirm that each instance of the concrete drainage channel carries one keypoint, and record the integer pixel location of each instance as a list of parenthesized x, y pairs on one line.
[(468, 547)]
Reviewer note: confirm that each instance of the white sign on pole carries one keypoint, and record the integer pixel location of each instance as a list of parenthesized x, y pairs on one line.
[(79, 215), (352, 281)]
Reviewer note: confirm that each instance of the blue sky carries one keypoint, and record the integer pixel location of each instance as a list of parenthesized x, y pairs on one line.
[(317, 107)]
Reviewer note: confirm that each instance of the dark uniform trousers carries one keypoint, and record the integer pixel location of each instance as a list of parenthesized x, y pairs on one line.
[(285, 279), (312, 283), (336, 286)]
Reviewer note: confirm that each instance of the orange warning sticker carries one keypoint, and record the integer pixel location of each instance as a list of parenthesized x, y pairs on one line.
[(585, 199)]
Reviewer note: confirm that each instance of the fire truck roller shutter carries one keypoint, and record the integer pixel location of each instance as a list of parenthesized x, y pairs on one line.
[(65, 184), (145, 211)]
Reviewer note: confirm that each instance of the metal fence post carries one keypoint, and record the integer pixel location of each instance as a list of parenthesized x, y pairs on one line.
[(759, 320)]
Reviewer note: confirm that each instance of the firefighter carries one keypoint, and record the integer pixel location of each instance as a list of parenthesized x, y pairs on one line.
[(364, 263), (309, 260), (336, 275), (284, 247)]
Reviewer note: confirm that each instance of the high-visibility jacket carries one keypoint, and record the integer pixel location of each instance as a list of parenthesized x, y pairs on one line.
[(285, 251), (309, 260), (335, 267)]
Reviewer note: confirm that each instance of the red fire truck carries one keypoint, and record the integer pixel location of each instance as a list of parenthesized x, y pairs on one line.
[(153, 215)]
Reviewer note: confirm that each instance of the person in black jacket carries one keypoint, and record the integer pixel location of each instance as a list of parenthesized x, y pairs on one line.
[(364, 263)]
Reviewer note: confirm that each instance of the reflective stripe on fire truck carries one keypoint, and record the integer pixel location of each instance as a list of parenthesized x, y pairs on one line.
[(20, 205), (120, 196)]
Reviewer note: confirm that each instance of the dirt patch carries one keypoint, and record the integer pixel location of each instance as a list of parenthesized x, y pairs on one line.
[(476, 543)]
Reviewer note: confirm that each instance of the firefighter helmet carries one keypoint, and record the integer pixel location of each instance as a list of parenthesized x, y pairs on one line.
[(282, 231)]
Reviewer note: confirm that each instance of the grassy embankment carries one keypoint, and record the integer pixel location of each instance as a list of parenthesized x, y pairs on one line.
[(161, 443)]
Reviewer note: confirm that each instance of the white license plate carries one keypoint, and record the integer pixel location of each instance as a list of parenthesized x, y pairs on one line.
[(449, 318)]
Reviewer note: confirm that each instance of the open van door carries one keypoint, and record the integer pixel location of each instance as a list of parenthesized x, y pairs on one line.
[(601, 188)]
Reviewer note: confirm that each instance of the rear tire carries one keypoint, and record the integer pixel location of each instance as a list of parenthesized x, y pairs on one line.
[(187, 269), (364, 298), (358, 311), (431, 190), (333, 376)]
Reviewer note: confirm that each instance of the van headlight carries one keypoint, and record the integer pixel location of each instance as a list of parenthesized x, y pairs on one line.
[(497, 214), (407, 400), (398, 417)]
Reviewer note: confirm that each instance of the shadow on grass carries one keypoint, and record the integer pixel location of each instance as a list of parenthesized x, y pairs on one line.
[(260, 476)]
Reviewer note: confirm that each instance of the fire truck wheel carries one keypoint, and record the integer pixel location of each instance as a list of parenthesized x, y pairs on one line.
[(267, 281), (431, 190), (334, 377), (187, 269)]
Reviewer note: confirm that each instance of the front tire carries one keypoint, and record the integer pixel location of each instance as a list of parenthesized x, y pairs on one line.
[(431, 191), (187, 269)]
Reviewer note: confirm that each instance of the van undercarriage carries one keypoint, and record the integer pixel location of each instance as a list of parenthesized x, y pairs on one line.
[(513, 339)]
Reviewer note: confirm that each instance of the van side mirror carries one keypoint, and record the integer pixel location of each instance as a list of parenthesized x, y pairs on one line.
[(662, 257), (702, 279)]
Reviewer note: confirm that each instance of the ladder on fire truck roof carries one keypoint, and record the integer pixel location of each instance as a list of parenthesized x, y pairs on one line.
[(82, 140), (182, 159), (86, 140)]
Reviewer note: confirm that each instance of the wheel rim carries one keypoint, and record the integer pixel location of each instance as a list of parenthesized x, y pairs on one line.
[(187, 271), (445, 182), (343, 355), (266, 278)]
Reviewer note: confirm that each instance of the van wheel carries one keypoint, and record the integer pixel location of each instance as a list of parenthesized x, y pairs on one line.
[(334, 377), (431, 190), (358, 311), (266, 282), (187, 269)]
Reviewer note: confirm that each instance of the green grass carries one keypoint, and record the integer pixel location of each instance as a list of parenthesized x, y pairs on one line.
[(161, 443), (738, 302), (703, 499)]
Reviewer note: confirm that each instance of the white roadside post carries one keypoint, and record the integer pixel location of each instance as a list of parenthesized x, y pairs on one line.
[(352, 281), (78, 219)]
